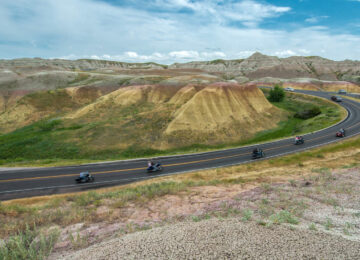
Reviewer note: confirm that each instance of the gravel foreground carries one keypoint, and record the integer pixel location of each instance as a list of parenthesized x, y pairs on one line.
[(223, 239)]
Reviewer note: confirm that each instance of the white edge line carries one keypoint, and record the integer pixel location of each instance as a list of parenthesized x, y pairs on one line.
[(176, 173)]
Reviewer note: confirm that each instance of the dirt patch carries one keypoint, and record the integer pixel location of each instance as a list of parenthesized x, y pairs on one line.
[(322, 206)]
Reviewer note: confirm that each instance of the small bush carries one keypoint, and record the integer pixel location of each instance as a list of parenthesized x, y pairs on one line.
[(78, 241), (283, 217), (247, 215), (312, 226), (196, 218), (308, 113), (328, 224), (277, 94), (87, 199), (46, 126), (29, 244)]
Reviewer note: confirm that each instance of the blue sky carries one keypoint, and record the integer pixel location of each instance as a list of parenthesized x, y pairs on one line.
[(167, 31)]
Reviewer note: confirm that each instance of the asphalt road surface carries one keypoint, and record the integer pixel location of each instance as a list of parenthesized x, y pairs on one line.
[(44, 181)]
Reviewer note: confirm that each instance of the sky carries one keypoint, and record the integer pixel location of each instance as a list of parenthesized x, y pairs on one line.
[(168, 31)]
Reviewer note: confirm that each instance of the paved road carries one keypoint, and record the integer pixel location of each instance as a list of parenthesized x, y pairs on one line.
[(44, 181)]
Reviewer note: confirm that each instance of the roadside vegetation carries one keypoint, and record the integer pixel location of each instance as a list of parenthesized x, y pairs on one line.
[(277, 94), (29, 244), (307, 114), (22, 220)]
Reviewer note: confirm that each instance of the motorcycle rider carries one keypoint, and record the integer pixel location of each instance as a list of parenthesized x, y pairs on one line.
[(298, 139), (151, 164)]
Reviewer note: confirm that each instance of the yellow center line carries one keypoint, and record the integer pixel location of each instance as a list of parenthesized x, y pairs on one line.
[(67, 175)]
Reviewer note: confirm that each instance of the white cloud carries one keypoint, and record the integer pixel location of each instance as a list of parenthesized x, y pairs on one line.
[(312, 20), (316, 19), (131, 54), (244, 54), (247, 11), (285, 53), (213, 55), (184, 54), (81, 28), (94, 57)]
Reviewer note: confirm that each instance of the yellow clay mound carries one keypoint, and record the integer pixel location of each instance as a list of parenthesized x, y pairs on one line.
[(83, 95), (183, 95), (220, 112), (128, 96), (222, 105), (19, 116), (24, 110)]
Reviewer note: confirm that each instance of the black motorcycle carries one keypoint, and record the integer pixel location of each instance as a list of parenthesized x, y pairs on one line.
[(155, 168), (85, 177), (257, 154), (299, 140)]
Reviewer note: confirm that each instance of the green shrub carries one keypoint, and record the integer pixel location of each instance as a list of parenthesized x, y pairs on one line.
[(29, 244), (247, 215), (277, 94), (283, 217), (49, 125), (308, 113)]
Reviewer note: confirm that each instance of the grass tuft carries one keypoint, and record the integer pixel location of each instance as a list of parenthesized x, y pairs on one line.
[(29, 244), (283, 217)]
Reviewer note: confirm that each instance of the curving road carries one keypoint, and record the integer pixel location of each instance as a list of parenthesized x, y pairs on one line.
[(44, 181)]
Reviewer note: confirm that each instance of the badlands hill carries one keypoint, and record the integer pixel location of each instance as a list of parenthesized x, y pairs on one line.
[(164, 117), (139, 118)]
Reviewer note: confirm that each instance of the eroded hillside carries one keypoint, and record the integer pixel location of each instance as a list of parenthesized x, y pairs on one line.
[(163, 117)]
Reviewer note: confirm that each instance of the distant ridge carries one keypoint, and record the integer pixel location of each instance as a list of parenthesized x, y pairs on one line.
[(254, 67), (259, 66)]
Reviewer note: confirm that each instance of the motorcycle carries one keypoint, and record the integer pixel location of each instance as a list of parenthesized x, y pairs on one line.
[(340, 133), (257, 154), (154, 168), (85, 177), (299, 140)]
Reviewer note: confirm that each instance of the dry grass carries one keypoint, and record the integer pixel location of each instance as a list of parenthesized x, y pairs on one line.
[(351, 98)]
